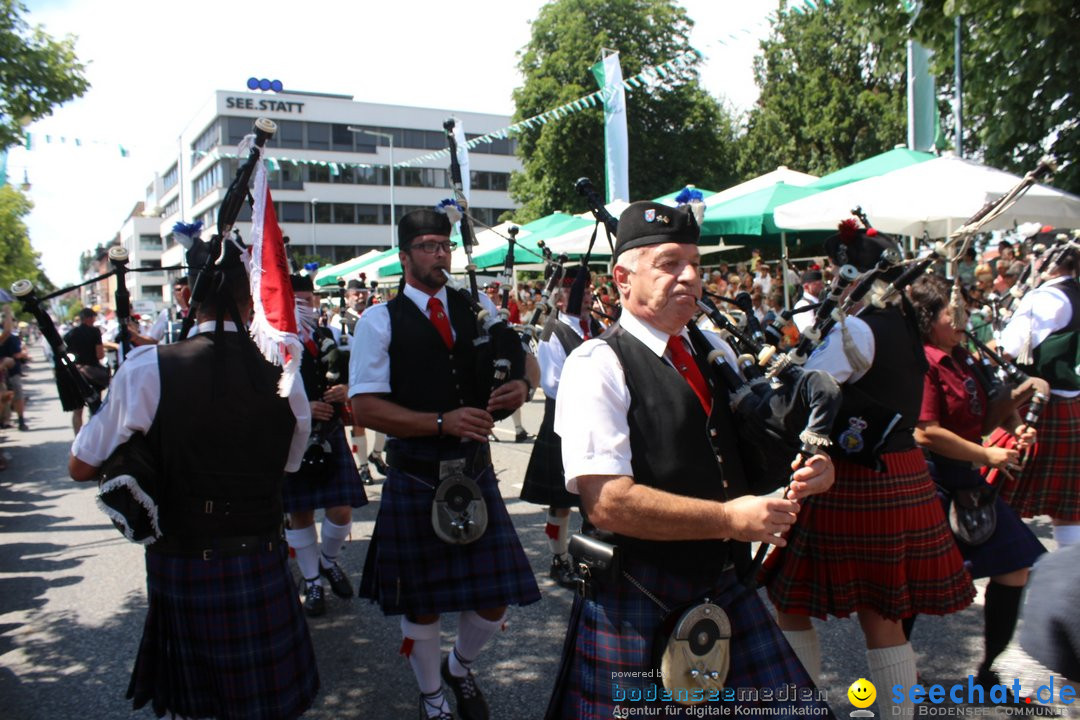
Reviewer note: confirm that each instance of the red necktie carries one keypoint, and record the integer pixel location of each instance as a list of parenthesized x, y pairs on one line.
[(584, 321), (440, 321), (684, 363)]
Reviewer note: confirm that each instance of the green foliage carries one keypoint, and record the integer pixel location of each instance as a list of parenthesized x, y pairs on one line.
[(17, 259), (1021, 79), (37, 72), (678, 133), (833, 89)]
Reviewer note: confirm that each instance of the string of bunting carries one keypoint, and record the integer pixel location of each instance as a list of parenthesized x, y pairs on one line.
[(274, 163), (648, 78), (32, 140)]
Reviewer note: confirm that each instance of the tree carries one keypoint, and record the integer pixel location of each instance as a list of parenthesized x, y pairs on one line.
[(37, 72), (1021, 79), (17, 259), (677, 132), (833, 89)]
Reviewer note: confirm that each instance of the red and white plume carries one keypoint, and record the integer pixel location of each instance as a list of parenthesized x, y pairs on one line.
[(274, 327)]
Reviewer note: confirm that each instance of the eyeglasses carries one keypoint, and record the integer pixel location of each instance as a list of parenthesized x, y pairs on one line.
[(431, 246)]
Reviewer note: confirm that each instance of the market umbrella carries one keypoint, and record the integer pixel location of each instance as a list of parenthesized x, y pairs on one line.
[(782, 174), (898, 157), (752, 214), (329, 275), (935, 197)]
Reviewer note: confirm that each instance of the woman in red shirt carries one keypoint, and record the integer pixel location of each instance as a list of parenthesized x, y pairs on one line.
[(956, 413)]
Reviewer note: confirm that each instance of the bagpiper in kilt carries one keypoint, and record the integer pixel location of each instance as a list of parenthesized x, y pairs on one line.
[(328, 477), (959, 405), (412, 375), (225, 636), (1044, 337), (877, 543), (649, 443), (544, 482)]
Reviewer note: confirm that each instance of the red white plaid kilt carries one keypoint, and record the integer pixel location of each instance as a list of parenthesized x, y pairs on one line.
[(877, 541), (1049, 484)]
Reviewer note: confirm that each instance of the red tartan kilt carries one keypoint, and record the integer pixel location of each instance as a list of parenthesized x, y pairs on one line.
[(877, 541), (1049, 483)]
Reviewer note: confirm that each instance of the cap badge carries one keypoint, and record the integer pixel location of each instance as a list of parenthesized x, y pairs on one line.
[(650, 215)]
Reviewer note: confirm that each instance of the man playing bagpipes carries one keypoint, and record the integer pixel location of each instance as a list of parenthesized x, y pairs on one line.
[(545, 483), (1044, 339), (225, 635), (327, 477), (860, 547), (650, 444), (443, 540)]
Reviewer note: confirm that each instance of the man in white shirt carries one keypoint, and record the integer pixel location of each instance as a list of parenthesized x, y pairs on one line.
[(813, 286), (650, 445)]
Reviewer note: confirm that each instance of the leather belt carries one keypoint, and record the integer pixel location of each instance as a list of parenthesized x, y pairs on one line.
[(215, 549), (475, 464)]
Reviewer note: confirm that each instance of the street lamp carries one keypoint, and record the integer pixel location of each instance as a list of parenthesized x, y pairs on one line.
[(390, 137), (314, 247)]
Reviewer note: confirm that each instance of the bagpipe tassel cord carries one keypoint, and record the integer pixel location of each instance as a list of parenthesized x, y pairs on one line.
[(859, 364)]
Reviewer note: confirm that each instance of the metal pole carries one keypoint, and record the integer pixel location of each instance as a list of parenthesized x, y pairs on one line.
[(390, 138), (314, 246), (957, 41)]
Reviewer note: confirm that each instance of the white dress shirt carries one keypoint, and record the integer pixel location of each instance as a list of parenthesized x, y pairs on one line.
[(830, 356), (593, 401), (132, 403), (552, 356), (369, 358), (804, 319), (1041, 312)]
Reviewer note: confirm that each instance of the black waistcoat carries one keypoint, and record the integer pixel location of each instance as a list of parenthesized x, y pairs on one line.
[(424, 375), (1055, 358), (569, 339), (671, 450), (895, 379), (223, 436)]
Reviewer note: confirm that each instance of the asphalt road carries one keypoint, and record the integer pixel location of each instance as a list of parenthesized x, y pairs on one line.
[(72, 602)]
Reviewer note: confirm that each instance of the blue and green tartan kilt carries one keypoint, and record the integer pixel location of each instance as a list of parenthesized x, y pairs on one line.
[(410, 570), (224, 639), (343, 486), (612, 635)]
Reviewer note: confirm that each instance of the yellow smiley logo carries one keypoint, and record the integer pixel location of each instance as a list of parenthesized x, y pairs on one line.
[(862, 693)]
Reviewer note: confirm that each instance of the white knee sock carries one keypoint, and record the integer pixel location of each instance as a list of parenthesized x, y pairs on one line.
[(359, 448), (892, 666), (558, 533), (473, 633), (808, 649), (421, 647), (305, 543), (380, 443), (517, 420), (1066, 535), (333, 538)]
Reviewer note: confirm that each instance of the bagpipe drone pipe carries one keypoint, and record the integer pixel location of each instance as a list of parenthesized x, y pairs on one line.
[(500, 355)]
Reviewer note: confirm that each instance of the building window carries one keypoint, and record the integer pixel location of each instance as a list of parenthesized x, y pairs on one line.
[(318, 173), (151, 264), (341, 138), (318, 136), (207, 182), (238, 128), (150, 242), (368, 215), (344, 213), (322, 213), (288, 176), (209, 139), (152, 292), (168, 182), (172, 208), (291, 212), (290, 134)]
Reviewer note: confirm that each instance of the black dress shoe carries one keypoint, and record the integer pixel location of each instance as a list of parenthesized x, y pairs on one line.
[(377, 460), (522, 436), (365, 475), (563, 573), (470, 702), (314, 600), (339, 581), (426, 704)]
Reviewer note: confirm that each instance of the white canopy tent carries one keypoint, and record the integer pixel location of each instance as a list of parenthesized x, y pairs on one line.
[(935, 197), (781, 174)]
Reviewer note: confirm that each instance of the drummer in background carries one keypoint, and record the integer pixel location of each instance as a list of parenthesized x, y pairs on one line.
[(956, 412)]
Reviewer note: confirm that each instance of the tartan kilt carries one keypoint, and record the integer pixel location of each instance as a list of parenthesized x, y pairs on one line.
[(225, 639), (875, 540), (410, 570), (613, 634), (1012, 546), (545, 483), (342, 487), (1049, 483)]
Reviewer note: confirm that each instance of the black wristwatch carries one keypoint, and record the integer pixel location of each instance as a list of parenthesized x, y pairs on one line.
[(530, 390)]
